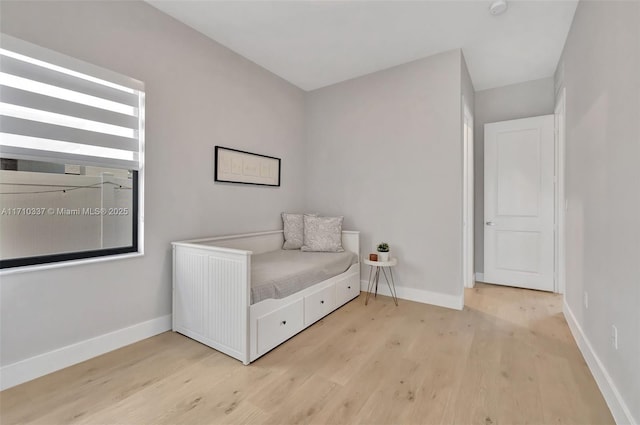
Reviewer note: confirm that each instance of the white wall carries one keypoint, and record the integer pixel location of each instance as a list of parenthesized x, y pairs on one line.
[(468, 92), (198, 94), (385, 149), (511, 102), (600, 69)]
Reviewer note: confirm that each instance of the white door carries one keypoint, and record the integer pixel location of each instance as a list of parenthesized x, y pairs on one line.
[(519, 202)]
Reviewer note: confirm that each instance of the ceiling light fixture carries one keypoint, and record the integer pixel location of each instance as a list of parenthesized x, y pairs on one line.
[(498, 7)]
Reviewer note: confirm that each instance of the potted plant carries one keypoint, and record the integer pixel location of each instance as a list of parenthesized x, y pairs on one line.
[(383, 251)]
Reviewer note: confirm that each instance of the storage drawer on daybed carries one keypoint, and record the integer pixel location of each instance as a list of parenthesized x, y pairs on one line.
[(280, 325), (347, 289), (319, 304)]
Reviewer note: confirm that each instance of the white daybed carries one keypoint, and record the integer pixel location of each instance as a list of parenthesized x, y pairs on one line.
[(212, 294)]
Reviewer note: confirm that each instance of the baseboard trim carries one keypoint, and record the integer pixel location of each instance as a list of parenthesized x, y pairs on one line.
[(455, 302), (619, 410), (43, 364)]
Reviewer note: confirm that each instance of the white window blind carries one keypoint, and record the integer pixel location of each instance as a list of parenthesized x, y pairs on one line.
[(55, 108)]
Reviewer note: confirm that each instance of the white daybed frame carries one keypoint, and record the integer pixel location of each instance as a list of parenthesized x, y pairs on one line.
[(212, 288)]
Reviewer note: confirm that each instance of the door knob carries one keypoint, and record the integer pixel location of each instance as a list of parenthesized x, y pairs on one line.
[(490, 223)]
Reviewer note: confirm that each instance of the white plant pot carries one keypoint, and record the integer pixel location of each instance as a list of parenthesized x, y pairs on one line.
[(383, 256)]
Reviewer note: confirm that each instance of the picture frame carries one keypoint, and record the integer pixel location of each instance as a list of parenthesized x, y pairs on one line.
[(236, 166)]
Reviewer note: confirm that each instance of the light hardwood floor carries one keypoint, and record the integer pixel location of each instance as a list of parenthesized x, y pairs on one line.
[(507, 358)]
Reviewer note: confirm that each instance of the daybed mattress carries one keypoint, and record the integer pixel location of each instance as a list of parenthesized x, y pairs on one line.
[(278, 274)]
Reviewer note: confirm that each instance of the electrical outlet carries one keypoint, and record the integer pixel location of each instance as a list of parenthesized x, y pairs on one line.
[(614, 336), (586, 299)]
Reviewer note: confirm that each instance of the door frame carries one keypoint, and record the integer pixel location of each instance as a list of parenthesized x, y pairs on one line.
[(468, 193), (560, 201), (561, 205)]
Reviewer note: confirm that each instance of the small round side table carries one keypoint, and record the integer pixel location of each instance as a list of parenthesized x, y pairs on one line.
[(374, 277)]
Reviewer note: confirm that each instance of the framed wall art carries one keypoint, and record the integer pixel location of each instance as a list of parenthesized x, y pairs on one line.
[(235, 166)]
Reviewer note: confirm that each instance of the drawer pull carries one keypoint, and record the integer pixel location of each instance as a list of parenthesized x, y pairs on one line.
[(321, 301), (284, 322), (348, 287)]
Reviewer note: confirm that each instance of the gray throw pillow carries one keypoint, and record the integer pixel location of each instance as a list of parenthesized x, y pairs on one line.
[(322, 234), (293, 234)]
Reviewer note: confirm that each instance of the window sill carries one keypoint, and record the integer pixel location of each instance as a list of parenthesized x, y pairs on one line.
[(70, 263)]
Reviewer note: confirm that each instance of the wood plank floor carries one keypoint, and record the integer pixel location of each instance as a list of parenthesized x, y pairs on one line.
[(507, 358)]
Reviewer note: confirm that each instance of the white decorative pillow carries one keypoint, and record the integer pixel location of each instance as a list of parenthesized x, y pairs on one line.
[(322, 234), (293, 234)]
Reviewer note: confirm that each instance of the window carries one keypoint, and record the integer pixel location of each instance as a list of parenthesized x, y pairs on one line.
[(71, 149)]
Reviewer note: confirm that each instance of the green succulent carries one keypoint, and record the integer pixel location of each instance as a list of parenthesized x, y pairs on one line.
[(383, 247)]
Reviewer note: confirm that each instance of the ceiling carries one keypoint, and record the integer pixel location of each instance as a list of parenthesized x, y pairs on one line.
[(313, 44)]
